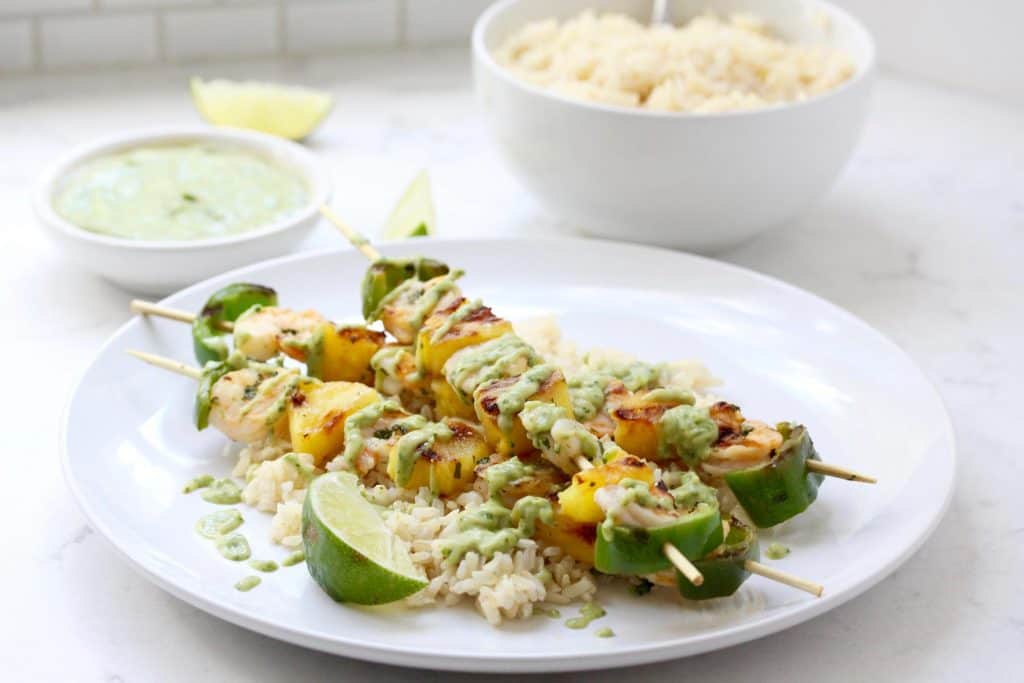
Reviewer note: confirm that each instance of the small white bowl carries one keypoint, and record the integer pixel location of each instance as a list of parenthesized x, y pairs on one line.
[(160, 267), (698, 181)]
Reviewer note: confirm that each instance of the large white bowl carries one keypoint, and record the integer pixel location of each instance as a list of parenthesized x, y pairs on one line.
[(697, 181), (159, 267)]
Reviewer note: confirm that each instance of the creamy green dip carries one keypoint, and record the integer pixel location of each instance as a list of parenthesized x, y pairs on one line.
[(222, 492), (218, 523), (265, 566), (248, 583), (777, 551), (686, 432), (293, 559), (588, 613), (234, 547), (493, 528), (179, 192)]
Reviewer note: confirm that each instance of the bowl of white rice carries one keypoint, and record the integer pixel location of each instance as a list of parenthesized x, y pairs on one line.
[(732, 119)]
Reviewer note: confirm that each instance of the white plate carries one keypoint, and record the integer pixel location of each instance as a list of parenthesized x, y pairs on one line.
[(129, 446)]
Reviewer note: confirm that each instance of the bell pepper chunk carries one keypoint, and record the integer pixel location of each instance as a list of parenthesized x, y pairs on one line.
[(782, 487), (211, 373), (225, 305), (383, 276), (637, 551), (724, 569)]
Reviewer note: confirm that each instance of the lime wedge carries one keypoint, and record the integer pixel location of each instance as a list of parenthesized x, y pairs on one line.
[(284, 111), (349, 551), (413, 216)]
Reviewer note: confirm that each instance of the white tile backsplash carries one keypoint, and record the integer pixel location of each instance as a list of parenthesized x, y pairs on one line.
[(28, 7), (429, 22), (15, 45), (94, 40), (324, 27), (191, 35)]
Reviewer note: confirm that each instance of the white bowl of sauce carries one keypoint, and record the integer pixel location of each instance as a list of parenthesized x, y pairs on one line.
[(158, 209)]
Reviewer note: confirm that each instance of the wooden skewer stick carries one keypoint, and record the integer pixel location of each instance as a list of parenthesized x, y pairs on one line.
[(357, 240), (672, 554), (143, 307), (167, 364), (840, 472), (680, 562), (815, 589)]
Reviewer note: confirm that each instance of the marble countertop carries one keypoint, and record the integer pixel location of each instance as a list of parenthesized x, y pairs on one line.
[(923, 237)]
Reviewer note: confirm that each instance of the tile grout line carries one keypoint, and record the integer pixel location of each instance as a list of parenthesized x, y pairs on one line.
[(401, 12), (161, 37), (36, 28)]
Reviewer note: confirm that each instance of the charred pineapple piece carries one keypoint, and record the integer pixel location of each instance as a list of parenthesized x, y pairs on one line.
[(499, 401), (636, 419), (445, 465), (344, 354), (462, 323), (574, 538), (317, 412), (577, 501)]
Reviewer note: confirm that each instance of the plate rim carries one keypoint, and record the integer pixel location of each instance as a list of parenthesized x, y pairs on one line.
[(375, 651)]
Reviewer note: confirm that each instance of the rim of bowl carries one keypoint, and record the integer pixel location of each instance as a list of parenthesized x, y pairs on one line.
[(302, 161), (863, 71)]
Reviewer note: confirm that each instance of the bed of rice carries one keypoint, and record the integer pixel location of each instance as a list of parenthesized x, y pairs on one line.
[(709, 64), (506, 586)]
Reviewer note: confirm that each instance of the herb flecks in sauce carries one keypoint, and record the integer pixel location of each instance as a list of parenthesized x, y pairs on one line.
[(179, 192), (492, 528), (248, 583), (588, 613), (200, 482), (222, 492), (218, 523), (234, 547)]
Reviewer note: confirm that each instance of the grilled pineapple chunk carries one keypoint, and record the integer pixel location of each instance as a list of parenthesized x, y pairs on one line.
[(444, 466), (317, 414), (447, 403), (575, 539), (346, 354), (463, 323), (577, 501), (636, 419), (504, 431)]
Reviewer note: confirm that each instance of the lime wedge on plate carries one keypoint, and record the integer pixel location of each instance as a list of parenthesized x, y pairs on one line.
[(349, 551), (285, 111), (413, 216)]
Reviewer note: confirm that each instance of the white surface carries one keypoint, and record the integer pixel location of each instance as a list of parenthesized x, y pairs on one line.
[(130, 445), (923, 237), (160, 266), (695, 181)]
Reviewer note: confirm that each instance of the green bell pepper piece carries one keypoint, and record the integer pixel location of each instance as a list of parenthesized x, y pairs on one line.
[(225, 305), (638, 551), (384, 275), (723, 569), (782, 487)]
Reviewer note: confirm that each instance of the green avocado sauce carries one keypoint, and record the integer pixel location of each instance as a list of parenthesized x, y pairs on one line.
[(588, 613), (222, 492), (234, 547), (686, 432), (558, 435), (506, 356), (179, 192), (218, 523), (408, 447), (493, 528), (200, 482), (670, 395), (248, 583), (776, 551), (504, 473), (586, 391), (513, 399), (293, 559), (604, 633), (265, 566), (464, 310)]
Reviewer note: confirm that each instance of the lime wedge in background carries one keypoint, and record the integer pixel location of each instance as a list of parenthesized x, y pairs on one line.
[(349, 551), (413, 216), (288, 112)]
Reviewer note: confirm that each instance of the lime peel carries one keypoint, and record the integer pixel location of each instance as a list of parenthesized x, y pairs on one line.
[(286, 111), (413, 215), (349, 551)]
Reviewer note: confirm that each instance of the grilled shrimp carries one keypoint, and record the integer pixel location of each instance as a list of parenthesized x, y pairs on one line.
[(251, 404), (609, 499), (741, 443), (263, 332)]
